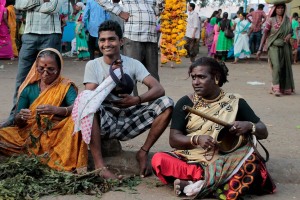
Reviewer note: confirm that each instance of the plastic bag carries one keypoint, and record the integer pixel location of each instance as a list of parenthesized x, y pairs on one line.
[(22, 29)]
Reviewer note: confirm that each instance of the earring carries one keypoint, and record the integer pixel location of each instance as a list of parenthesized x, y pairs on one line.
[(216, 81)]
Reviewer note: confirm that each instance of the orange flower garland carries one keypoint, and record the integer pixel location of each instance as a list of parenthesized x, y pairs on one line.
[(173, 27)]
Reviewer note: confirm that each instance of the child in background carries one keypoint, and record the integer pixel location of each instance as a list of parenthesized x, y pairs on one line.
[(81, 38)]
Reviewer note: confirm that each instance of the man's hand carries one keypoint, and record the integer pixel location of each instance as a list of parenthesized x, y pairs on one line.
[(124, 15), (126, 101)]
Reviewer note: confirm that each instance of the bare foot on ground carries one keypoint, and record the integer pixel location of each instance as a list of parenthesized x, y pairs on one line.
[(179, 186)]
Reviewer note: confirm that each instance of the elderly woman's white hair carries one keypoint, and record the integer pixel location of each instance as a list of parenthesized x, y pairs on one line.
[(81, 5)]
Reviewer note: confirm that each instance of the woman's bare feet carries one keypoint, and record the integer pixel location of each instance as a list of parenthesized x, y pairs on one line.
[(142, 158), (179, 186)]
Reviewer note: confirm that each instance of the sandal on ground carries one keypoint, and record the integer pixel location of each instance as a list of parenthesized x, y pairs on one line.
[(275, 92)]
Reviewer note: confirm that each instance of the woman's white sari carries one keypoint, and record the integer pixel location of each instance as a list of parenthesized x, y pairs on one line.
[(241, 40)]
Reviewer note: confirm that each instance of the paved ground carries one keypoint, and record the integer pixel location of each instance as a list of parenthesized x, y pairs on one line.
[(251, 80)]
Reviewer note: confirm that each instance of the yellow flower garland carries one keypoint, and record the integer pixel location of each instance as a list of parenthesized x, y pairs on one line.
[(173, 27)]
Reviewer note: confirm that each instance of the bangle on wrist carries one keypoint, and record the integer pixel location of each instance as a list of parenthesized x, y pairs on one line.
[(197, 137), (253, 129), (66, 111), (192, 141)]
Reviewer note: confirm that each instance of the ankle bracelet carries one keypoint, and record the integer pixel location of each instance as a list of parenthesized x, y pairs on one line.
[(144, 150)]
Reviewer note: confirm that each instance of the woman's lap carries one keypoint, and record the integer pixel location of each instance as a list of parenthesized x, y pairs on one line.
[(168, 168)]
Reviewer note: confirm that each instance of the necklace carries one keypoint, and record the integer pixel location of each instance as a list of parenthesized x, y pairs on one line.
[(201, 102), (278, 21)]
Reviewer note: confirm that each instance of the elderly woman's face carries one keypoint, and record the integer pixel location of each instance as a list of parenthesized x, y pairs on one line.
[(203, 82), (280, 10), (47, 69)]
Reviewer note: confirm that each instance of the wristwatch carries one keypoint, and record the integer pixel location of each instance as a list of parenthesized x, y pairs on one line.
[(253, 128)]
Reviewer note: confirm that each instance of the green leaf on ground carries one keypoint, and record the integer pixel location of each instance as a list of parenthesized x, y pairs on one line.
[(25, 177)]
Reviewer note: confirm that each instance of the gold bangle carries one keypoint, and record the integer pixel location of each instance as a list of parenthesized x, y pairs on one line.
[(192, 142), (66, 111), (197, 140)]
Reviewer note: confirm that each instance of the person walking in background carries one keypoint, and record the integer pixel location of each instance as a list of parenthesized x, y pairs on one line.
[(241, 39), (81, 39), (209, 33), (203, 31), (192, 34), (42, 30), (257, 18), (224, 43), (6, 50), (12, 24), (295, 38), (216, 31), (93, 16), (277, 33)]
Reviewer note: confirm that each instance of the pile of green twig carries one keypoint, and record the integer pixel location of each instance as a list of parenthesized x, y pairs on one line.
[(25, 177)]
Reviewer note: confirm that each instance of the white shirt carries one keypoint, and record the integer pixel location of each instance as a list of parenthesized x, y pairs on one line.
[(193, 22)]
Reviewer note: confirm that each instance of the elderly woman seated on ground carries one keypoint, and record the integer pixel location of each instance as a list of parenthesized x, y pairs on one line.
[(200, 166), (43, 121)]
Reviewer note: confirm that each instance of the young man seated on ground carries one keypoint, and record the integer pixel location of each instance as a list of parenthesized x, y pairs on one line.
[(128, 116)]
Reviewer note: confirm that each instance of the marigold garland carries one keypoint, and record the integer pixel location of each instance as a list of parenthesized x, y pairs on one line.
[(173, 27)]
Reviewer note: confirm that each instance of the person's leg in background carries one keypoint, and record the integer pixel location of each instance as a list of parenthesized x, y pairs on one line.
[(134, 50), (251, 43), (151, 58), (91, 45), (258, 37)]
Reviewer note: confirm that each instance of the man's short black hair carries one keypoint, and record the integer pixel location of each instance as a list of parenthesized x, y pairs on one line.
[(261, 6), (193, 6), (110, 25), (295, 15)]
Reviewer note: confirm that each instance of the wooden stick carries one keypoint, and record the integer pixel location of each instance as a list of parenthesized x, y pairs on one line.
[(211, 118)]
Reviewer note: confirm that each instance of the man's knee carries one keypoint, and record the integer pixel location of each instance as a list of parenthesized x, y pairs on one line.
[(168, 111)]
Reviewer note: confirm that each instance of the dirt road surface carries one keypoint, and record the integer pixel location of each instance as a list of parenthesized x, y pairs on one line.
[(250, 79)]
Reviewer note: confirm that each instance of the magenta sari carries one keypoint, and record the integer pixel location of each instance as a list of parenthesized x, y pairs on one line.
[(209, 36), (6, 50)]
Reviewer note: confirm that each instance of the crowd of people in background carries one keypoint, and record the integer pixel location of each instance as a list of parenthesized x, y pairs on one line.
[(248, 30)]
